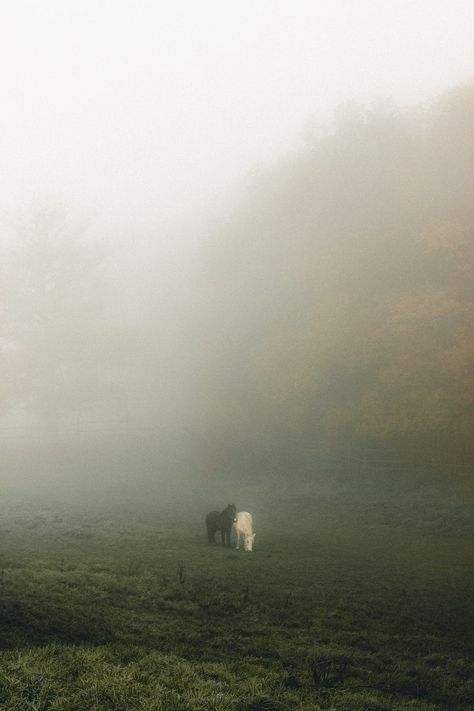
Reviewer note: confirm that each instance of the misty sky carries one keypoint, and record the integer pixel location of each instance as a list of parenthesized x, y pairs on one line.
[(148, 114)]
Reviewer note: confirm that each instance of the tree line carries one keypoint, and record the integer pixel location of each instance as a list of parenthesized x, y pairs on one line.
[(336, 303)]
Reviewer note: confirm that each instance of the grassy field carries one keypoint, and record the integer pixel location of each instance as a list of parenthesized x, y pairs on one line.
[(351, 599)]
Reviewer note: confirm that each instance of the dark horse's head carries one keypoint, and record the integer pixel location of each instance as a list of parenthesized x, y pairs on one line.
[(231, 512)]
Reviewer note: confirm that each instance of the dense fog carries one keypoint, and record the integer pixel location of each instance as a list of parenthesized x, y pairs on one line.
[(212, 270)]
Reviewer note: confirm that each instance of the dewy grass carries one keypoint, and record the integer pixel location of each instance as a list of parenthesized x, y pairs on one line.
[(350, 605)]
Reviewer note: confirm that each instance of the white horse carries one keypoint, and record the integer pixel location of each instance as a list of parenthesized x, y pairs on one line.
[(244, 525)]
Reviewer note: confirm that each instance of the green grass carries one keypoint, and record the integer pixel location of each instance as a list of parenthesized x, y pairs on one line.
[(350, 600)]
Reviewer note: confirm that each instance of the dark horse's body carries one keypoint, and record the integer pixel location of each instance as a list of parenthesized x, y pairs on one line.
[(222, 522)]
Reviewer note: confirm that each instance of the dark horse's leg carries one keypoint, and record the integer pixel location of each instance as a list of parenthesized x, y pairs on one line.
[(226, 536)]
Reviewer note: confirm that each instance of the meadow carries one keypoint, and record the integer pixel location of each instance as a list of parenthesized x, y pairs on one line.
[(355, 597)]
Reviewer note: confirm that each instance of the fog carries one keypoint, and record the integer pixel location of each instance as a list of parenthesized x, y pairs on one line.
[(122, 110), (235, 239)]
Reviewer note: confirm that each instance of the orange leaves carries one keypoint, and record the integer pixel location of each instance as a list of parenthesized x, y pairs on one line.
[(346, 283)]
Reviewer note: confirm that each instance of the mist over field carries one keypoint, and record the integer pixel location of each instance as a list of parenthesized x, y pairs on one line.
[(326, 321), (236, 266)]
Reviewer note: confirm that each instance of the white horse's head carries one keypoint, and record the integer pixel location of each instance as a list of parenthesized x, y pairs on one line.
[(248, 542)]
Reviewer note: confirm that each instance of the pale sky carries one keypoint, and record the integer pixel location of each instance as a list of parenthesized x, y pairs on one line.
[(150, 114)]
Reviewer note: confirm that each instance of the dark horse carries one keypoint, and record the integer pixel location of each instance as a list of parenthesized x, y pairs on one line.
[(222, 522)]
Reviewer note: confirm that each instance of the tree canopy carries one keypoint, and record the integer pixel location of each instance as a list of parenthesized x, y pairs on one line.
[(337, 302)]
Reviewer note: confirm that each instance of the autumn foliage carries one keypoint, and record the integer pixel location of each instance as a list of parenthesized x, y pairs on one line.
[(337, 302)]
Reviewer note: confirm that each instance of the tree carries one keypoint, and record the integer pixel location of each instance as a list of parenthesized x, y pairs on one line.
[(58, 339), (337, 303)]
